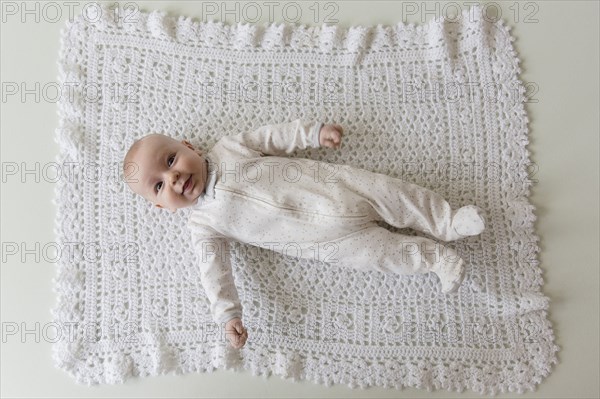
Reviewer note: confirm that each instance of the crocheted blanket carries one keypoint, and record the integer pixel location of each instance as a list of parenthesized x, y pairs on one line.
[(439, 104)]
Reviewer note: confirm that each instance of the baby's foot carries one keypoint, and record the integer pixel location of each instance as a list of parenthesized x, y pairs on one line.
[(468, 221), (451, 273)]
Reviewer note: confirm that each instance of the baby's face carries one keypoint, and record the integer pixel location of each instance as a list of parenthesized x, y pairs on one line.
[(168, 173)]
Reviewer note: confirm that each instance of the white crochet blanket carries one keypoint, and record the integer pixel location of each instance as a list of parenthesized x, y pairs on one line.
[(440, 105)]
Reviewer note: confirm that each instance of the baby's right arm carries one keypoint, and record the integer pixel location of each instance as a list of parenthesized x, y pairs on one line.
[(216, 273)]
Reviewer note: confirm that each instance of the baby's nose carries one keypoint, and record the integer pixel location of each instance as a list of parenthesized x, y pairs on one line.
[(174, 177)]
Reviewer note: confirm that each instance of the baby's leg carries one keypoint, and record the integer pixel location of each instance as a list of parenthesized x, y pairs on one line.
[(427, 211), (403, 204), (377, 248)]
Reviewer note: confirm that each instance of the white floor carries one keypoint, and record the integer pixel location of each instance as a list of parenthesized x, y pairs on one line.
[(560, 59)]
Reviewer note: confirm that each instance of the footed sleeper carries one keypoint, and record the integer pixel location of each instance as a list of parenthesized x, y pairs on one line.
[(311, 209)]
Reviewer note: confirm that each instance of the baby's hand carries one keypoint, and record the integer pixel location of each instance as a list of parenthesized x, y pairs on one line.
[(236, 333), (331, 136)]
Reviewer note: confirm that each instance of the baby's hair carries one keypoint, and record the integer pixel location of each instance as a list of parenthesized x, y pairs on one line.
[(133, 149), (135, 146)]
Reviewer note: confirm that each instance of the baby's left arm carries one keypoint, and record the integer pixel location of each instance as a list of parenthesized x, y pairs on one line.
[(285, 138)]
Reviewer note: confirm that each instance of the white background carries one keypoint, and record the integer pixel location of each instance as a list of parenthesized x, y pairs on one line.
[(559, 55)]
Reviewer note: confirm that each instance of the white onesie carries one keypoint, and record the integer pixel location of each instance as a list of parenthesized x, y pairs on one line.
[(312, 209)]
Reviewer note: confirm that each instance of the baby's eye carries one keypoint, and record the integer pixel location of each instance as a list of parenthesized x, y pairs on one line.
[(170, 161)]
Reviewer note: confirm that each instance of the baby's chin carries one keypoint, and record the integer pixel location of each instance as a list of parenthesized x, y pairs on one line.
[(190, 203)]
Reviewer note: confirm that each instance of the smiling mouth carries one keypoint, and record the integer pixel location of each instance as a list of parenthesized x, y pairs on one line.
[(187, 185)]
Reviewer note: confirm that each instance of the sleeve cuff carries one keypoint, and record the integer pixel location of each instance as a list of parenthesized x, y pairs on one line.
[(226, 318), (315, 134)]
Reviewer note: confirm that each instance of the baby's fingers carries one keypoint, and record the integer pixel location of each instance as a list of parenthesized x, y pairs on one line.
[(235, 340), (239, 339), (242, 340), (335, 140)]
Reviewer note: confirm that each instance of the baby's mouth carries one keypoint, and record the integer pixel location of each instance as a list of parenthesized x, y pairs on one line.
[(187, 185)]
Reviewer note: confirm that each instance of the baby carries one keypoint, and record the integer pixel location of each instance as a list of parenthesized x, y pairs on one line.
[(245, 189)]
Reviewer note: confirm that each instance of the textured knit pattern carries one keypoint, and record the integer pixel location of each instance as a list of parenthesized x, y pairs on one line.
[(306, 319)]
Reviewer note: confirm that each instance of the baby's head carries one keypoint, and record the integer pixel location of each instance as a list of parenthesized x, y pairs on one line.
[(168, 173)]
